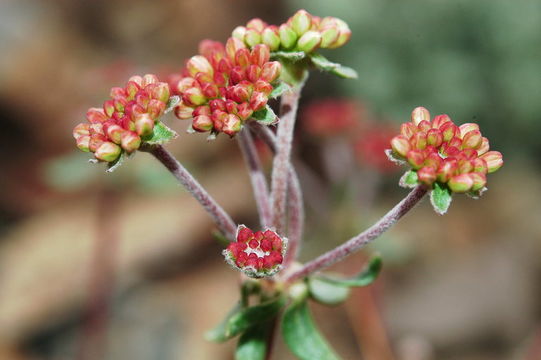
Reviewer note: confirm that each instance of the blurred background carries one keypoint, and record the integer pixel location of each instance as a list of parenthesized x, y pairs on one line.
[(124, 266)]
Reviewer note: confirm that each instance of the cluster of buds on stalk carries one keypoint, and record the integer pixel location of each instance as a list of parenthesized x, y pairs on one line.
[(225, 85), (301, 32), (124, 120), (257, 254), (440, 151)]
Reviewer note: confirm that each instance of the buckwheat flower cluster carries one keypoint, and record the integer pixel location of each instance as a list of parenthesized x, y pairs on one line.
[(123, 120), (225, 85), (257, 254), (301, 32), (440, 151)]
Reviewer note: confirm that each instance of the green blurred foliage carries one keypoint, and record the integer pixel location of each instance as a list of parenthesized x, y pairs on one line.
[(474, 60)]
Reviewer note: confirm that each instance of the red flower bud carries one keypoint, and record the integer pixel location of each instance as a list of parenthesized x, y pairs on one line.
[(460, 183), (400, 145), (439, 120), (232, 46), (258, 100), (202, 123), (329, 35), (161, 92), (426, 175), (117, 92), (231, 124), (494, 160), (156, 108), (447, 169), (237, 75), (416, 158), (217, 104), (130, 141), (144, 124), (263, 86), (107, 151), (271, 71), (434, 137), (424, 125), (260, 55), (253, 72), (183, 111), (419, 114), (244, 111), (95, 141)]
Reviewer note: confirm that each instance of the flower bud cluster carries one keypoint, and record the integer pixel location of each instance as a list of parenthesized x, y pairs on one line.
[(301, 32), (225, 85), (257, 254), (123, 120), (441, 151)]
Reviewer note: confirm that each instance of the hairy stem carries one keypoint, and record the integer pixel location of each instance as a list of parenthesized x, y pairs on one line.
[(280, 168), (219, 215), (295, 198), (257, 177), (359, 241)]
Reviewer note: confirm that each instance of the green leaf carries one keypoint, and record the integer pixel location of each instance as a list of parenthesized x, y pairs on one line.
[(112, 166), (327, 292), (364, 278), (279, 89), (292, 56), (173, 101), (324, 64), (301, 335), (440, 198), (253, 344), (265, 116), (392, 157), (161, 134), (409, 179), (238, 321)]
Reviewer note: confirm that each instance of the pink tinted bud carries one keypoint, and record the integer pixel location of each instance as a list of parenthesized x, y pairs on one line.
[(418, 141), (131, 89), (130, 141), (239, 32), (202, 123), (82, 129), (210, 91), (232, 125), (271, 38), (301, 22), (218, 119), (127, 123), (256, 24), (400, 145), (329, 35), (95, 141), (439, 120), (263, 86), (144, 124), (447, 169), (183, 111), (149, 79), (419, 114), (231, 107), (232, 46), (479, 181), (185, 84), (252, 37), (479, 165), (288, 37), (426, 175), (271, 71), (198, 64), (244, 111), (494, 160), (408, 129), (258, 101), (220, 78), (142, 98), (136, 79), (449, 131), (253, 72), (424, 126), (260, 55), (466, 128), (117, 92), (484, 147), (309, 41), (343, 37), (156, 108), (202, 110), (415, 158), (469, 154), (83, 143), (119, 104), (242, 58), (237, 75), (96, 129), (434, 137), (460, 183), (114, 132), (472, 139), (107, 151), (240, 93), (455, 142), (194, 96), (217, 104), (109, 107), (464, 166), (433, 160), (160, 92)]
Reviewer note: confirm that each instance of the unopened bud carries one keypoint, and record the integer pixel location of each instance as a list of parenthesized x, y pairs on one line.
[(260, 55), (415, 158), (258, 101), (424, 126), (288, 37), (472, 139), (449, 131), (155, 108), (400, 145), (494, 160), (434, 137), (426, 175), (263, 86), (232, 46), (82, 129), (131, 89), (149, 79), (271, 38), (239, 32), (419, 114), (202, 123), (408, 129), (484, 147), (161, 92), (231, 125), (439, 120), (83, 143), (328, 36), (198, 64), (183, 111), (252, 37), (271, 71), (479, 181), (114, 132), (237, 75), (253, 72), (130, 141), (242, 58), (108, 107), (343, 37), (136, 79), (144, 124), (301, 22), (418, 141), (194, 96), (460, 183), (107, 151), (309, 41), (447, 169), (256, 24), (244, 111)]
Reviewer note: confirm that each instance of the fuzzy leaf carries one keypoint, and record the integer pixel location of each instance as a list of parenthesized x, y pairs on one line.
[(161, 134), (324, 64), (392, 157), (440, 198), (409, 179), (265, 116), (327, 292), (476, 195), (301, 335), (279, 89), (364, 278), (253, 343), (238, 320), (292, 56), (173, 101), (112, 166)]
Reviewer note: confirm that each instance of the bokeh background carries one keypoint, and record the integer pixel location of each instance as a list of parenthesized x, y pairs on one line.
[(124, 266)]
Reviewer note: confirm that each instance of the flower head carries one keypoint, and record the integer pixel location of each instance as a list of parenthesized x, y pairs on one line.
[(225, 85), (127, 117), (257, 254), (440, 151)]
